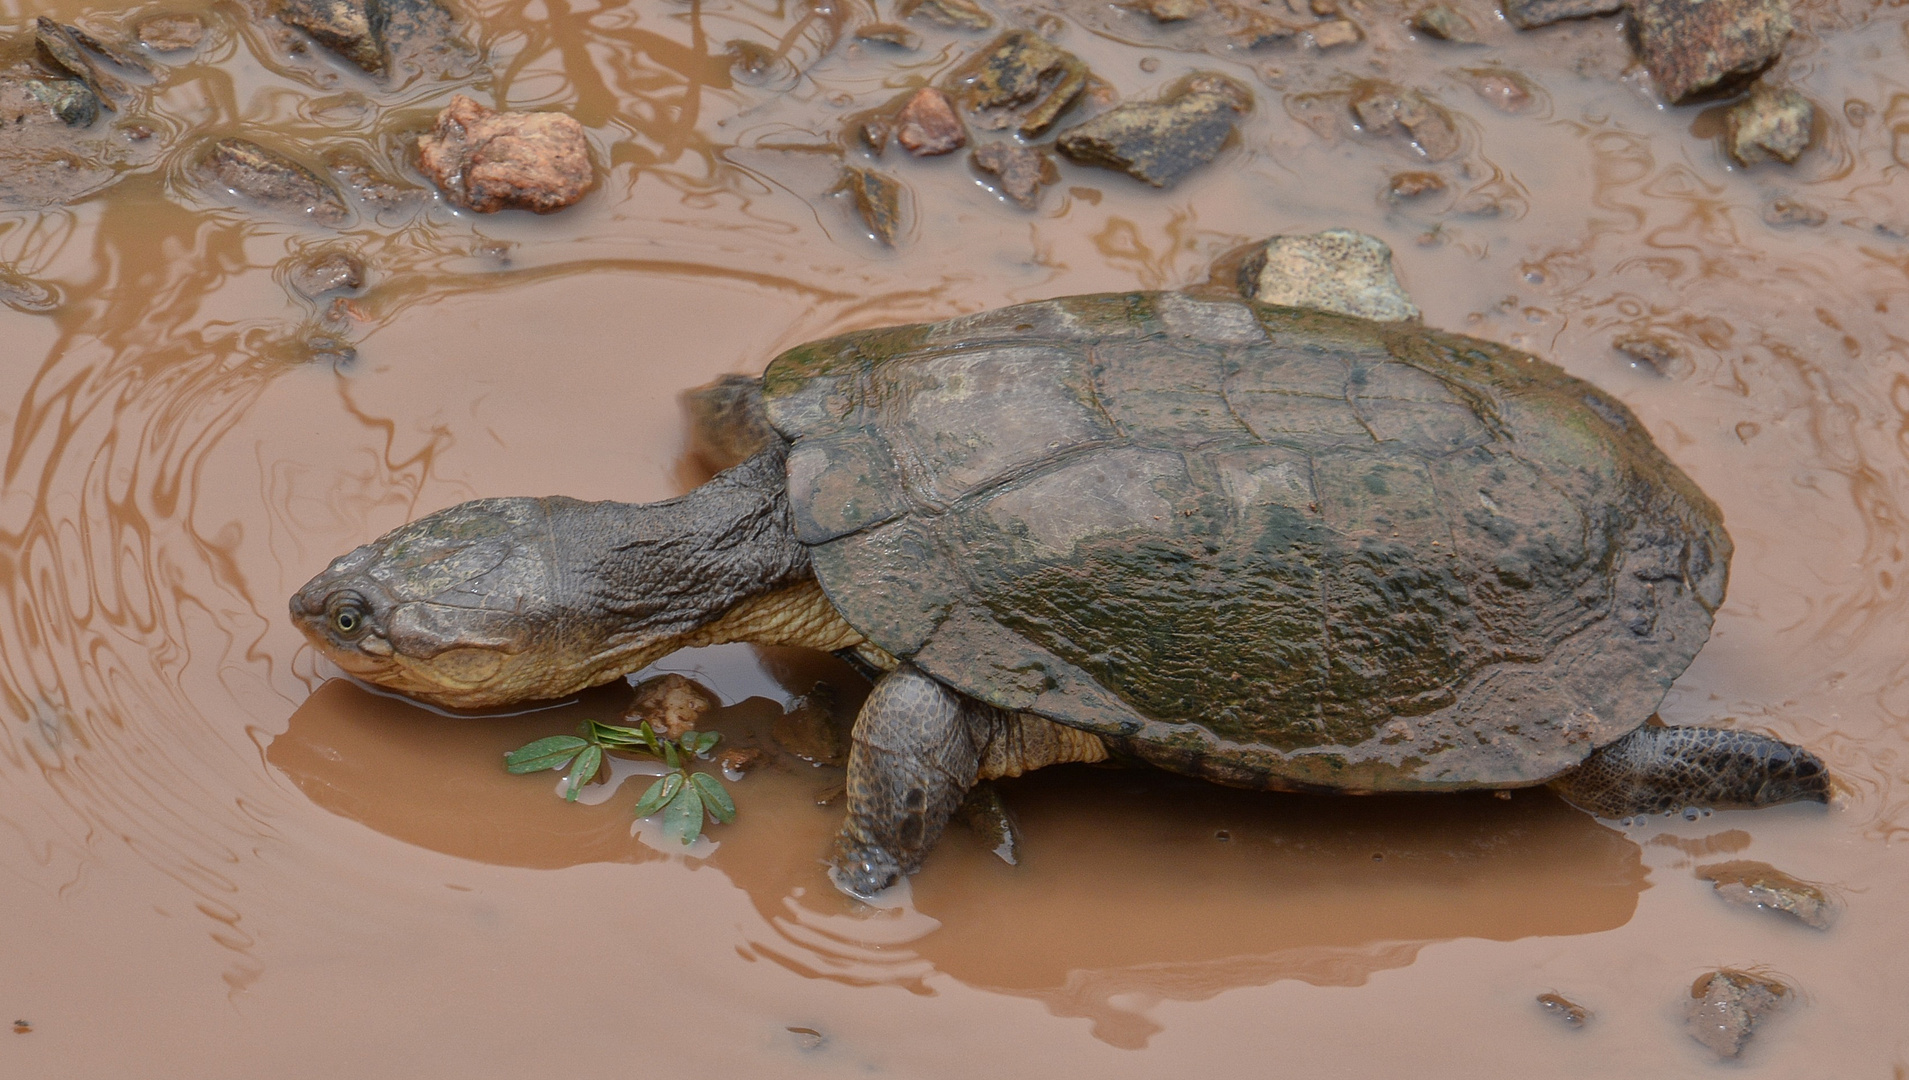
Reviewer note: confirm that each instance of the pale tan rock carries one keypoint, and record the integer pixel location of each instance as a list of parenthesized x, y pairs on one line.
[(485, 160)]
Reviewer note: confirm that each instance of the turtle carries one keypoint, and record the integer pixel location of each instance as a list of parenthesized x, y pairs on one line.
[(1270, 547)]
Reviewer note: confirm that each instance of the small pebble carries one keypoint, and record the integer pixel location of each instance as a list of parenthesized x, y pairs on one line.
[(1445, 23), (927, 125), (739, 761), (808, 1038), (1336, 33), (1410, 185), (889, 34), (1659, 355), (1784, 212), (22, 1027), (1564, 1009)]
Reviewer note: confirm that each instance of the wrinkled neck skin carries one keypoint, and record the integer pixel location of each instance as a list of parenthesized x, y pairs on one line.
[(497, 601)]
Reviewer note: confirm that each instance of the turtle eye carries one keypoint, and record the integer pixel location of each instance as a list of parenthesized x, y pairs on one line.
[(348, 618)]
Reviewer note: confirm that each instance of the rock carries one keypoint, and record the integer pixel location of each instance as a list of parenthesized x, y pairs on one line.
[(1167, 11), (1768, 124), (927, 124), (808, 730), (1410, 185), (1506, 91), (53, 151), (420, 38), (1335, 34), (1527, 14), (727, 424), (672, 704), (1726, 1006), (396, 38), (326, 271), (1446, 23), (485, 160), (1660, 355), (1159, 142), (70, 99), (1760, 885), (63, 47), (1384, 109), (1257, 30), (343, 26), (1566, 1010), (170, 32), (1783, 212), (755, 64), (955, 14), (877, 199), (121, 57), (350, 169), (889, 34), (984, 812), (1336, 270), (1694, 47), (1020, 172), (1020, 80), (272, 180), (739, 761)]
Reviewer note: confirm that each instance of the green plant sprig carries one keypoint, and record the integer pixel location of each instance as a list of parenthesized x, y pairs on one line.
[(682, 796)]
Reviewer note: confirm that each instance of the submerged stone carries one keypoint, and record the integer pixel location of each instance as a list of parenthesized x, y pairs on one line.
[(350, 169), (273, 181), (877, 199), (1410, 185), (808, 729), (1528, 14), (1020, 172), (1768, 124), (1159, 142), (486, 161), (61, 44), (1021, 81), (1384, 109), (70, 99), (1726, 1006), (172, 32), (1336, 270), (1446, 23), (1167, 11), (326, 271), (1693, 47), (671, 704), (889, 34), (1335, 33), (1784, 212), (398, 38), (1657, 354), (1567, 1011), (954, 14), (1760, 885)]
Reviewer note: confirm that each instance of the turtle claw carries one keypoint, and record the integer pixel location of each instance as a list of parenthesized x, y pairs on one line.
[(864, 871)]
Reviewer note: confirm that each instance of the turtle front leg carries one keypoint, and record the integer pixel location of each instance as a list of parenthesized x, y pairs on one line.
[(913, 758), (1658, 769)]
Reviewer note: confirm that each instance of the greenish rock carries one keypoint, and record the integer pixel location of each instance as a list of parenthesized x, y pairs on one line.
[(1770, 124), (273, 181), (70, 99), (1019, 81), (1336, 270), (1159, 142), (1263, 545)]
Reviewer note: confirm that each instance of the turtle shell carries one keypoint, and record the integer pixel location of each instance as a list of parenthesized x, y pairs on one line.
[(1269, 546)]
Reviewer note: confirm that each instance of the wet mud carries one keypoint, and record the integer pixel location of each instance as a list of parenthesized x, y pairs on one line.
[(225, 860)]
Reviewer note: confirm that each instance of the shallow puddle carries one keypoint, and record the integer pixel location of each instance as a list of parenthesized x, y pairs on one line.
[(223, 860)]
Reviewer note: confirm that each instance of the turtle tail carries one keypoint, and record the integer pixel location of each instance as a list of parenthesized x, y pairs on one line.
[(1660, 769)]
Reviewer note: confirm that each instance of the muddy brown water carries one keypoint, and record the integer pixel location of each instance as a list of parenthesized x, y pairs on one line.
[(223, 861)]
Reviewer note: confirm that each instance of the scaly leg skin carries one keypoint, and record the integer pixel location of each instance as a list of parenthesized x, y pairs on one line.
[(1660, 769), (914, 757)]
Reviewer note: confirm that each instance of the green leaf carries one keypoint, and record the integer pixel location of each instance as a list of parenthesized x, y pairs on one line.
[(649, 736), (659, 794), (683, 817), (585, 771), (715, 797), (543, 754), (670, 756), (700, 743), (615, 735)]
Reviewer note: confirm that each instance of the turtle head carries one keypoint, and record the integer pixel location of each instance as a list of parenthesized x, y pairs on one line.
[(497, 601), (460, 608)]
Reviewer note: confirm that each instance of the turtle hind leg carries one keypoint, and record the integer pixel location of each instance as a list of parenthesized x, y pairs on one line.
[(1661, 769), (912, 760)]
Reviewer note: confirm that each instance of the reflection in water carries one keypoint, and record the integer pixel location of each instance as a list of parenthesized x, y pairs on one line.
[(1135, 886)]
